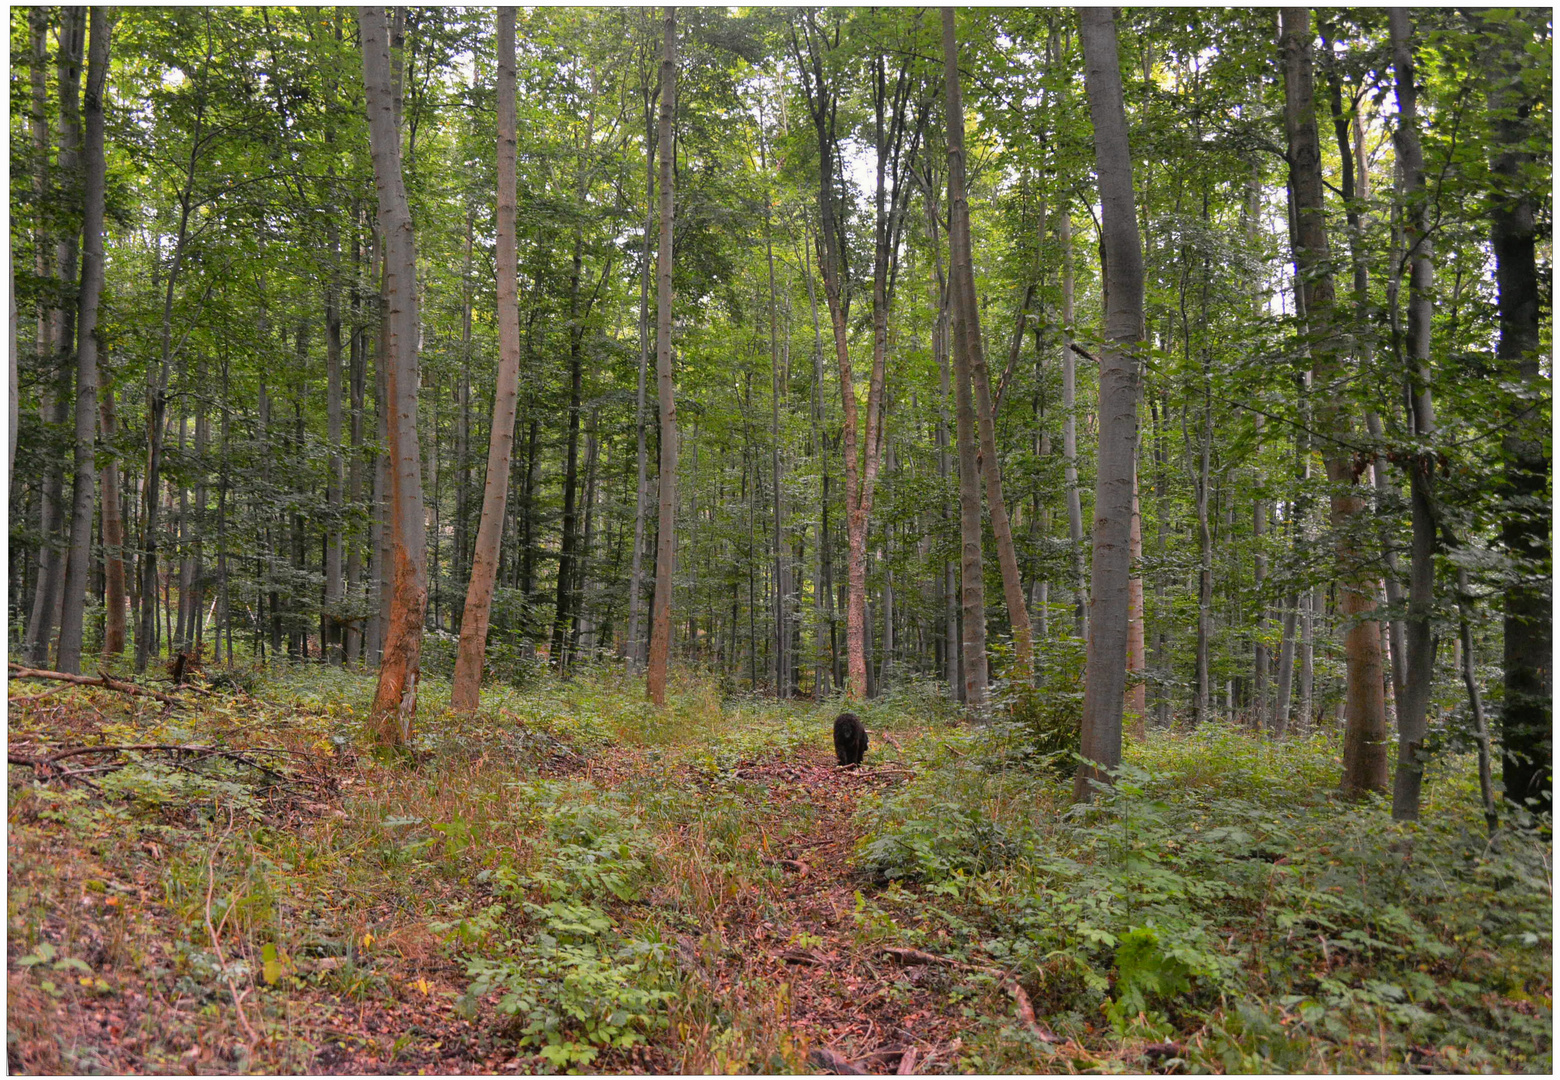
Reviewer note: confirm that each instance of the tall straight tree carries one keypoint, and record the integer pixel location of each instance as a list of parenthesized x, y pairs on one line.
[(1526, 728), (967, 341), (633, 643), (467, 688), (1414, 703), (1070, 427), (1104, 694), (1364, 744), (666, 535), (80, 557), (395, 699)]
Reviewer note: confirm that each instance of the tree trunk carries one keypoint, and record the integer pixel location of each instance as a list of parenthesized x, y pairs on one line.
[(1201, 690), (86, 352), (634, 649), (466, 689), (666, 530), (395, 699), (777, 390), (113, 534), (1070, 428), (1525, 713), (1414, 703), (358, 359), (1105, 674), (1364, 756), (966, 335)]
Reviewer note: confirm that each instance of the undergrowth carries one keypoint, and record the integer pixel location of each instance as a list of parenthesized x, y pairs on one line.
[(554, 882), (1222, 896)]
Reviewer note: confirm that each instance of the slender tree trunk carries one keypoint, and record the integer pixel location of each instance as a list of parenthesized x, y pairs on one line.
[(1105, 675), (466, 690), (331, 643), (157, 376), (634, 646), (1364, 757), (86, 351), (1413, 706), (395, 699), (777, 388), (113, 534), (1202, 689), (358, 359), (1070, 427), (666, 532), (967, 331)]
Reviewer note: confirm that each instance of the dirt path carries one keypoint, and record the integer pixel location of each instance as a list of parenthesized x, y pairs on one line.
[(801, 961)]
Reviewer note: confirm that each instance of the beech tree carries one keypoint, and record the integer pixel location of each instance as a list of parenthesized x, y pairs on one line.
[(395, 699), (1104, 693), (666, 530), (1364, 753), (466, 689)]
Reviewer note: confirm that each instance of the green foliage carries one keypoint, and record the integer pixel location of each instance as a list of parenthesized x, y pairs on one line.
[(571, 980), (1228, 873)]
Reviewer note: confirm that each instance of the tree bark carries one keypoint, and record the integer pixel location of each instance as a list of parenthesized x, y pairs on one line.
[(395, 698), (466, 690), (666, 532), (80, 558), (634, 650), (1364, 755), (967, 333), (1070, 428), (113, 534), (1414, 703), (1105, 672), (1525, 713)]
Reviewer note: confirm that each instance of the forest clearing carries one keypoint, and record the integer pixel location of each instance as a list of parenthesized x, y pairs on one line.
[(704, 540)]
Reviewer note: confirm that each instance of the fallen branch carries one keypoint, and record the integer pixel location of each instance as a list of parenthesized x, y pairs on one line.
[(907, 1062), (916, 956), (1021, 1003), (952, 750), (20, 701), (47, 762), (102, 679), (890, 740)]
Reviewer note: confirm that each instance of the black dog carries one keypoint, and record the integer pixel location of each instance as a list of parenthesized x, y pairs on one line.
[(850, 739)]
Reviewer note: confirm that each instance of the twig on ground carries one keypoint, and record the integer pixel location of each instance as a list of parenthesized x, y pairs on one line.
[(890, 740), (20, 701), (44, 765), (216, 944), (907, 1062), (101, 679), (1021, 1003), (952, 750)]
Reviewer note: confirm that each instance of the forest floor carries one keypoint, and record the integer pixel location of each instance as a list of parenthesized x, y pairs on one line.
[(573, 881)]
